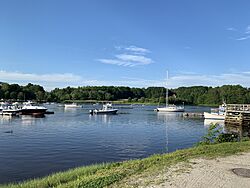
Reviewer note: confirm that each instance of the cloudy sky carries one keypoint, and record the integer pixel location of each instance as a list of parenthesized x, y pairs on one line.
[(133, 43)]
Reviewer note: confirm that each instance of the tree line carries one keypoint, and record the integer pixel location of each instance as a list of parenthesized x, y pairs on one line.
[(196, 95)]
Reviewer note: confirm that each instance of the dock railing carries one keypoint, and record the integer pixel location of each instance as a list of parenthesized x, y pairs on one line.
[(245, 108)]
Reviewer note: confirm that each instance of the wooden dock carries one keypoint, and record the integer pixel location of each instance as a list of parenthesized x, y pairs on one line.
[(238, 114)]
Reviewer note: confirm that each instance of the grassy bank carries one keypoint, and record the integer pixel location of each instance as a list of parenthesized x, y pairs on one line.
[(107, 174)]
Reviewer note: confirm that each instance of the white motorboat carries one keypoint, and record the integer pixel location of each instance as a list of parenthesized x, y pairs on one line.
[(216, 113), (10, 110), (170, 108), (72, 105), (106, 109), (30, 108), (214, 116)]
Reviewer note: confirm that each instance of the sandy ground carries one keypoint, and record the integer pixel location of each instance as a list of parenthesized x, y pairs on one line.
[(205, 173), (197, 173)]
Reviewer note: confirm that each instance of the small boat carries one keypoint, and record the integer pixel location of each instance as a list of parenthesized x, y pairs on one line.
[(216, 113), (73, 105), (106, 109), (10, 110), (30, 108), (170, 108)]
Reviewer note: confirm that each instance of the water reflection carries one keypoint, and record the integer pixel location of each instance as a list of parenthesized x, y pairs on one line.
[(30, 120), (241, 130), (168, 116), (4, 119), (208, 122), (104, 118), (70, 110)]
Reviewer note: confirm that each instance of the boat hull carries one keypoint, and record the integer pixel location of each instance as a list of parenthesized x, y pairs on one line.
[(71, 106), (213, 116), (105, 112), (10, 112), (32, 111)]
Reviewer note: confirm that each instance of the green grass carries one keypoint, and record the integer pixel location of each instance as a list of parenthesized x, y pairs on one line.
[(107, 174)]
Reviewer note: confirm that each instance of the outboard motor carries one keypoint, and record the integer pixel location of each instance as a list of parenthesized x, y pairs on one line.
[(91, 112)]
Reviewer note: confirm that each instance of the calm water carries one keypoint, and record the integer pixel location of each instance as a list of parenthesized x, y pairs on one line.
[(71, 138)]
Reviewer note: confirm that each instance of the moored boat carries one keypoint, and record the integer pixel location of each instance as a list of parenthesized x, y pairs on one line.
[(73, 105), (216, 113), (106, 109), (170, 108), (10, 110), (30, 108)]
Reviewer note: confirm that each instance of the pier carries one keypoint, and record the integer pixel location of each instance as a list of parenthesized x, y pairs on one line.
[(238, 114)]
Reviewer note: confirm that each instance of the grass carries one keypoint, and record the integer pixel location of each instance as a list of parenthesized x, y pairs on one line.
[(103, 175)]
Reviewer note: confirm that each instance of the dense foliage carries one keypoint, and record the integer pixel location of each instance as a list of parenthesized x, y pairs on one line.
[(213, 96), (22, 93), (196, 95)]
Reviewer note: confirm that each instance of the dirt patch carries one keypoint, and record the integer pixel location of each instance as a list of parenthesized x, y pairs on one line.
[(197, 173), (211, 173)]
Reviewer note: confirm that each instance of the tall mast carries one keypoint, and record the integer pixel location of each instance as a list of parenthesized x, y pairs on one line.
[(167, 90)]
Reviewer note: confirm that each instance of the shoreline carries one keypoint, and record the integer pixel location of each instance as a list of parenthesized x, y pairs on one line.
[(134, 103), (116, 174)]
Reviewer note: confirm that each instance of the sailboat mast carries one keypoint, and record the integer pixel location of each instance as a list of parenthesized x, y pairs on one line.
[(167, 90)]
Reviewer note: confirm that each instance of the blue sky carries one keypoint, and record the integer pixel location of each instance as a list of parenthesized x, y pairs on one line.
[(57, 43)]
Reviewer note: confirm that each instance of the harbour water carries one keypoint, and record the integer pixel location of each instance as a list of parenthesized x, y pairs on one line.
[(35, 147)]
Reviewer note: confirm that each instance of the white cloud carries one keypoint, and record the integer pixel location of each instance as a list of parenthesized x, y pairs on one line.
[(48, 80), (136, 49), (242, 78), (116, 62), (136, 59), (248, 30), (244, 34), (131, 56), (243, 38), (231, 29), (16, 76)]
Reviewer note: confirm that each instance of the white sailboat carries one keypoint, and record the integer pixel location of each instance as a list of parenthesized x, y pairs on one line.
[(170, 108)]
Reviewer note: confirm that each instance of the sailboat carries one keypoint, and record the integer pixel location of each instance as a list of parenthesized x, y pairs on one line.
[(168, 107)]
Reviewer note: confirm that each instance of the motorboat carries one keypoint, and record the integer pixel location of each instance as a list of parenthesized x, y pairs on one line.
[(30, 108), (168, 107), (216, 113), (10, 110), (72, 105), (106, 109)]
